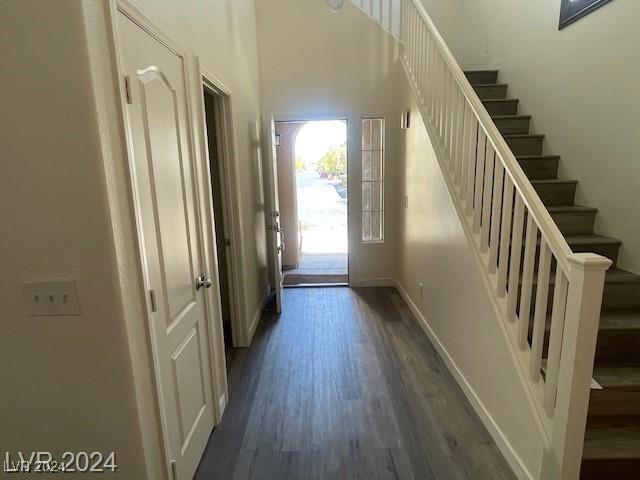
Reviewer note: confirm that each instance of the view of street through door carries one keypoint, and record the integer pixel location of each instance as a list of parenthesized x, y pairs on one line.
[(321, 193)]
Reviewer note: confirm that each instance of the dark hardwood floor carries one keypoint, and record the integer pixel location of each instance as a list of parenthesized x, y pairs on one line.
[(344, 384)]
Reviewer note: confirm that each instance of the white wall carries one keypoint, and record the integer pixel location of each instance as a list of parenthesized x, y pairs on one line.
[(581, 86), (456, 305), (85, 382), (66, 381), (315, 62)]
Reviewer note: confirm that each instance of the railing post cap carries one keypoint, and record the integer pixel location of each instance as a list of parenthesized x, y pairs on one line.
[(590, 261)]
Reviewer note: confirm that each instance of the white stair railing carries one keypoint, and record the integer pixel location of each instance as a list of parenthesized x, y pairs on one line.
[(548, 285), (385, 12)]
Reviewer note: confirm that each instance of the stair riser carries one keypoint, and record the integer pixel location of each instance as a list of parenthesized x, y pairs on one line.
[(618, 347), (615, 348), (557, 193), (540, 169), (614, 403), (616, 296), (616, 468), (482, 77), (575, 223), (512, 126), (606, 250), (525, 145), (491, 92), (621, 296), (510, 107)]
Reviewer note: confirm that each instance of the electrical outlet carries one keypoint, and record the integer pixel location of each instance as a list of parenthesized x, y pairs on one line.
[(421, 288), (51, 297)]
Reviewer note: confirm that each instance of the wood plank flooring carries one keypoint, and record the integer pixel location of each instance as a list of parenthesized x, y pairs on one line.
[(344, 385)]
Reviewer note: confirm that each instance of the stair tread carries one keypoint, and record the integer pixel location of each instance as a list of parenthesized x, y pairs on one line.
[(612, 443), (524, 135), (490, 84), (620, 320), (537, 157), (613, 275), (554, 180), (510, 117), (617, 275), (501, 100), (591, 239), (617, 377), (571, 209)]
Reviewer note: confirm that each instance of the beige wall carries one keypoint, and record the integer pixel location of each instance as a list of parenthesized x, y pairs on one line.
[(86, 382), (66, 381), (433, 249), (580, 85), (319, 64), (287, 191)]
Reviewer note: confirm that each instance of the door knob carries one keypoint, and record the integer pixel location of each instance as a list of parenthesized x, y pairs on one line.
[(203, 281)]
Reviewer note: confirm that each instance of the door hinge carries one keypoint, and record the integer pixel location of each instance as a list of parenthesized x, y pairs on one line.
[(174, 472), (227, 242), (152, 296), (127, 89)]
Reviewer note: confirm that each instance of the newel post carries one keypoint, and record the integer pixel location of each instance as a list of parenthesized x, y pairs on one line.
[(584, 301)]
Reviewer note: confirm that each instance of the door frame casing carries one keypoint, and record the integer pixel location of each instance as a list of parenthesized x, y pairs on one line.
[(231, 191), (348, 119), (211, 296)]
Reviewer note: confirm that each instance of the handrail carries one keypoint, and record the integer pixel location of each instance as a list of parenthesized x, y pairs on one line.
[(517, 242), (558, 243)]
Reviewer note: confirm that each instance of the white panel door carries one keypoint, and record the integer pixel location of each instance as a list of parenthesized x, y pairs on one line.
[(275, 243), (166, 197)]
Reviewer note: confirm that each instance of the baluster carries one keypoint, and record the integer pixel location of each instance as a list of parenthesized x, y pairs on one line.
[(505, 234), (458, 141), (433, 64), (413, 44), (516, 256), (421, 57), (427, 73), (531, 238), (403, 25), (464, 148), (447, 115), (477, 201), (496, 212), (486, 197), (555, 340), (540, 315), (471, 159), (455, 134), (443, 101), (440, 96)]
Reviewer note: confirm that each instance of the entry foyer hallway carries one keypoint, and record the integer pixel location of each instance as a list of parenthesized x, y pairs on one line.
[(346, 385)]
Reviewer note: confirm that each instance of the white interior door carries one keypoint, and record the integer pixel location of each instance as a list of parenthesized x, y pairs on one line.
[(166, 197), (276, 244)]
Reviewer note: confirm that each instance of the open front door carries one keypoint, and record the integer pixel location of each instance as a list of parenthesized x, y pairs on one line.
[(274, 233)]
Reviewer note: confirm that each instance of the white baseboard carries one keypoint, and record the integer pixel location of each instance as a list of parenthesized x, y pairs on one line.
[(373, 282), (514, 460), (222, 405)]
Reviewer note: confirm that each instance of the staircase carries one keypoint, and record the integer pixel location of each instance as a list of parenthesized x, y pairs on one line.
[(612, 439), (568, 313)]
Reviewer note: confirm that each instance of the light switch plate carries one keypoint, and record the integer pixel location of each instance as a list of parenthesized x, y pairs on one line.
[(51, 297)]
